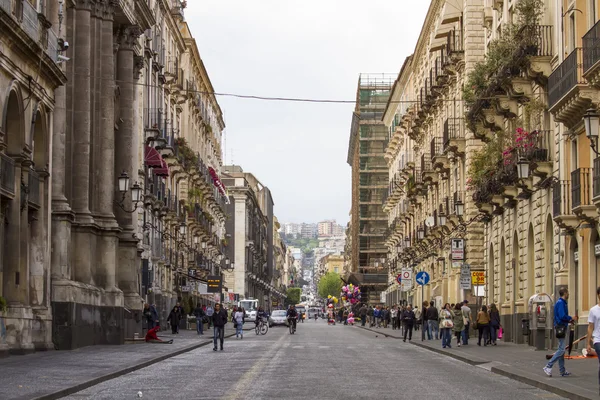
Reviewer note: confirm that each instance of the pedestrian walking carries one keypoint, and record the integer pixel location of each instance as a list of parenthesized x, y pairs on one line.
[(377, 316), (494, 323), (385, 316), (433, 326), (459, 323), (209, 314), (199, 314), (394, 317), (370, 312), (417, 312), (239, 323), (174, 318), (593, 332), (219, 320), (467, 319), (446, 325), (363, 314), (408, 320), (561, 326), (483, 325), (151, 315), (424, 322)]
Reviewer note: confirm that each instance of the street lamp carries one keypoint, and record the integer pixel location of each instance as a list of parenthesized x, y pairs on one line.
[(442, 218), (136, 192), (182, 229), (203, 245), (420, 233), (591, 120), (407, 241), (523, 168), (459, 207)]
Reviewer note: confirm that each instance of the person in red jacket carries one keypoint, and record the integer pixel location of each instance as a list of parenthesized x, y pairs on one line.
[(153, 338)]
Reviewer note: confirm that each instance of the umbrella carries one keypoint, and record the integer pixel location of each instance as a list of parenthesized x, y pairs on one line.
[(571, 336)]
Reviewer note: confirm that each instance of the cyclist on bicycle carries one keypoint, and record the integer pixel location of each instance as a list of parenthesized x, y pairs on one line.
[(260, 314), (292, 315)]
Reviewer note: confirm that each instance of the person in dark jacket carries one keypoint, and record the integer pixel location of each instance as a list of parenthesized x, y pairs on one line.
[(408, 319), (151, 315), (362, 313), (200, 314), (433, 324), (424, 326), (174, 318), (219, 320), (494, 324)]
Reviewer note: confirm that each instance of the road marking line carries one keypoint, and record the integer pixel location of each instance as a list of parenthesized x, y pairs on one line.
[(249, 376)]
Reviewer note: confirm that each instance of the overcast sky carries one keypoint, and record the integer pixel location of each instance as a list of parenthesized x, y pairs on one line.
[(309, 49)]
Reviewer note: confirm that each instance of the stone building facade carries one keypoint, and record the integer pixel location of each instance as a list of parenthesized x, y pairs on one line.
[(519, 80), (99, 91), (428, 154), (29, 75), (250, 218)]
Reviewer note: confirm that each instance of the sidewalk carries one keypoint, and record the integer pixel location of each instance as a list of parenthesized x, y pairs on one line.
[(518, 362), (54, 374)]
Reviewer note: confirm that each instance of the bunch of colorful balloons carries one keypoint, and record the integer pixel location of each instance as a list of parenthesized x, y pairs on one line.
[(351, 318), (332, 299), (351, 294)]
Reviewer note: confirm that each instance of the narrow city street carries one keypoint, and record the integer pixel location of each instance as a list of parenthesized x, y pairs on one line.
[(320, 362)]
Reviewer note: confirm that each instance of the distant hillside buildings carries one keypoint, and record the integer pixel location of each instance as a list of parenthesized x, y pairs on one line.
[(327, 228)]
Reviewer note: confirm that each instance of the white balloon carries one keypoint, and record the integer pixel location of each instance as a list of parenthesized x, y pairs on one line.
[(140, 394)]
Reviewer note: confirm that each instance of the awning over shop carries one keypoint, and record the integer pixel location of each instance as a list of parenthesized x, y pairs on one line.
[(152, 158)]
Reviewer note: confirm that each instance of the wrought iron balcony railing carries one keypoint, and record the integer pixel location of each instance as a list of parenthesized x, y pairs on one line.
[(580, 187), (566, 77), (591, 47)]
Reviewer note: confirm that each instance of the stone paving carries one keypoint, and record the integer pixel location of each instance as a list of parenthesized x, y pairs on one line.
[(318, 362), (54, 374), (518, 362)]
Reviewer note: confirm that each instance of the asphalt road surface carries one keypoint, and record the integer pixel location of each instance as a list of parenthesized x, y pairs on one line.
[(318, 362)]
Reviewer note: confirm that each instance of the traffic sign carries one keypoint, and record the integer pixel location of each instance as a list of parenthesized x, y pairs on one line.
[(422, 278), (465, 277), (399, 279), (406, 284)]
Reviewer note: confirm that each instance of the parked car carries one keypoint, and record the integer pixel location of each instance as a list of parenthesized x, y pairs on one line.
[(278, 317)]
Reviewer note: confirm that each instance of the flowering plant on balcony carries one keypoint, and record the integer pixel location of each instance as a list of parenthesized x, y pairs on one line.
[(185, 154)]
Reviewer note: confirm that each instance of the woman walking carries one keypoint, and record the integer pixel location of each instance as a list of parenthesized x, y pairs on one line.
[(239, 323), (459, 322), (446, 326), (174, 318), (483, 324), (494, 324)]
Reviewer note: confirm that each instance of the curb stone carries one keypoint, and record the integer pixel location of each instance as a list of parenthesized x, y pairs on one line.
[(92, 382)]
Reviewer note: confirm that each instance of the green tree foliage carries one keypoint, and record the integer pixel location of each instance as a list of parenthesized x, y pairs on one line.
[(330, 284), (293, 295)]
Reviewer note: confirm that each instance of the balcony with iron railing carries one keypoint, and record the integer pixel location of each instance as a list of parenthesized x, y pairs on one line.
[(561, 205), (591, 53), (596, 180), (454, 44), (567, 89), (581, 194), (453, 135), (7, 176)]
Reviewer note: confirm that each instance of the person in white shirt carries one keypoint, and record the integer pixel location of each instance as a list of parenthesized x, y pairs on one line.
[(593, 331), (239, 322)]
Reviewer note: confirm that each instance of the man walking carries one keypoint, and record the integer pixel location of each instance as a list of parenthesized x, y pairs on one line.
[(561, 326), (209, 314), (362, 313), (219, 320), (466, 313), (424, 324), (433, 321), (408, 319), (199, 313), (593, 332)]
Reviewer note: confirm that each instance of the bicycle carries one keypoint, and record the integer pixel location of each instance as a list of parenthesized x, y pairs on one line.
[(261, 327), (292, 325)]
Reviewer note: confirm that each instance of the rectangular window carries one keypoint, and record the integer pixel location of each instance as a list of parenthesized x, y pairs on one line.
[(572, 33)]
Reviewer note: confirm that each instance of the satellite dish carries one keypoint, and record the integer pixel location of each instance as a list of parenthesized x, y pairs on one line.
[(430, 221)]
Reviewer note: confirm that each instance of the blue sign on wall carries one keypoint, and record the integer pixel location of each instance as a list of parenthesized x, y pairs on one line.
[(422, 278)]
